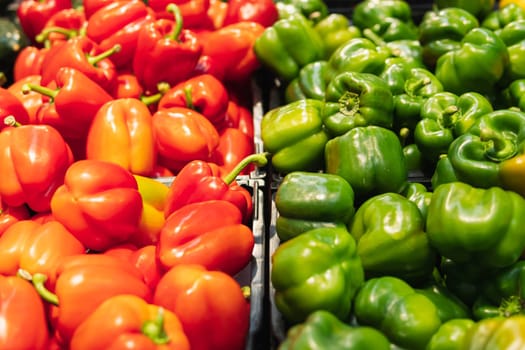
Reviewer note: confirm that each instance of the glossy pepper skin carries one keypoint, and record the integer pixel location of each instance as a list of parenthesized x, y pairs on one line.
[(497, 333), (442, 30), (501, 295), (11, 105), (443, 172), (33, 14), (391, 240), (83, 282), (370, 158), (513, 35), (313, 10), (389, 304), (444, 117), (34, 160), (322, 330), (322, 262), (306, 200), (477, 65), (480, 8), (395, 72), (295, 136), (99, 203), (335, 29), (468, 224), (420, 195), (158, 44), (311, 82), (512, 96), (210, 305), (451, 334), (449, 306), (490, 153), (357, 99), (503, 15), (208, 233), (122, 133), (22, 330), (125, 321), (263, 12), (36, 247), (288, 45), (391, 19), (193, 12)]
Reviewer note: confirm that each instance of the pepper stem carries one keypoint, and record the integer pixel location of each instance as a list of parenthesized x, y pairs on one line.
[(154, 329), (11, 121), (513, 305), (162, 88), (413, 85), (372, 36), (498, 147), (177, 29), (448, 119), (260, 159), (349, 103), (246, 292), (94, 60), (26, 88), (44, 35), (38, 280), (189, 97)]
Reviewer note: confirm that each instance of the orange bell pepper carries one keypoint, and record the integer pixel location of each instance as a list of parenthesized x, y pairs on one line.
[(36, 247), (208, 233), (129, 322), (22, 315), (31, 100), (99, 203), (210, 305), (33, 159), (122, 133), (183, 135), (9, 215), (83, 283)]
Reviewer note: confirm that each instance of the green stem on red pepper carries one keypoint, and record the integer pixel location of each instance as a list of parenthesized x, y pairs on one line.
[(154, 329), (11, 121), (44, 35), (189, 98), (174, 35), (260, 159), (94, 60), (51, 93), (162, 88), (38, 280)]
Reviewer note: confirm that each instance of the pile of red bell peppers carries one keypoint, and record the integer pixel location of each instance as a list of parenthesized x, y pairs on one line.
[(96, 253)]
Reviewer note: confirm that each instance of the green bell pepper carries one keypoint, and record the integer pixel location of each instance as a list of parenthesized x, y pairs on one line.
[(404, 48), (357, 99), (441, 31), (12, 41), (390, 19), (322, 330), (497, 333), (479, 8), (395, 71), (449, 306), (295, 136), (316, 198), (406, 317), (499, 18), (451, 335), (313, 10), (419, 85), (359, 55), (444, 117), (467, 224), (492, 152), (443, 172), (503, 295), (418, 193), (513, 35), (477, 65), (390, 236), (464, 279), (513, 96), (311, 83), (413, 158), (287, 45), (317, 270), (370, 158), (335, 29)]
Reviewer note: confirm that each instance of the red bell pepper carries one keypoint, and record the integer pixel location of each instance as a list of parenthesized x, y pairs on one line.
[(11, 105), (201, 181), (118, 23), (22, 315), (99, 203), (143, 258), (210, 304), (183, 135), (92, 6), (127, 86), (239, 117), (238, 61), (234, 146), (86, 56), (83, 283), (33, 159), (208, 233), (194, 12), (204, 93), (63, 25), (122, 133), (33, 14), (208, 65), (36, 247), (28, 62), (10, 215), (166, 52), (31, 100), (73, 105), (263, 12), (129, 322)]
